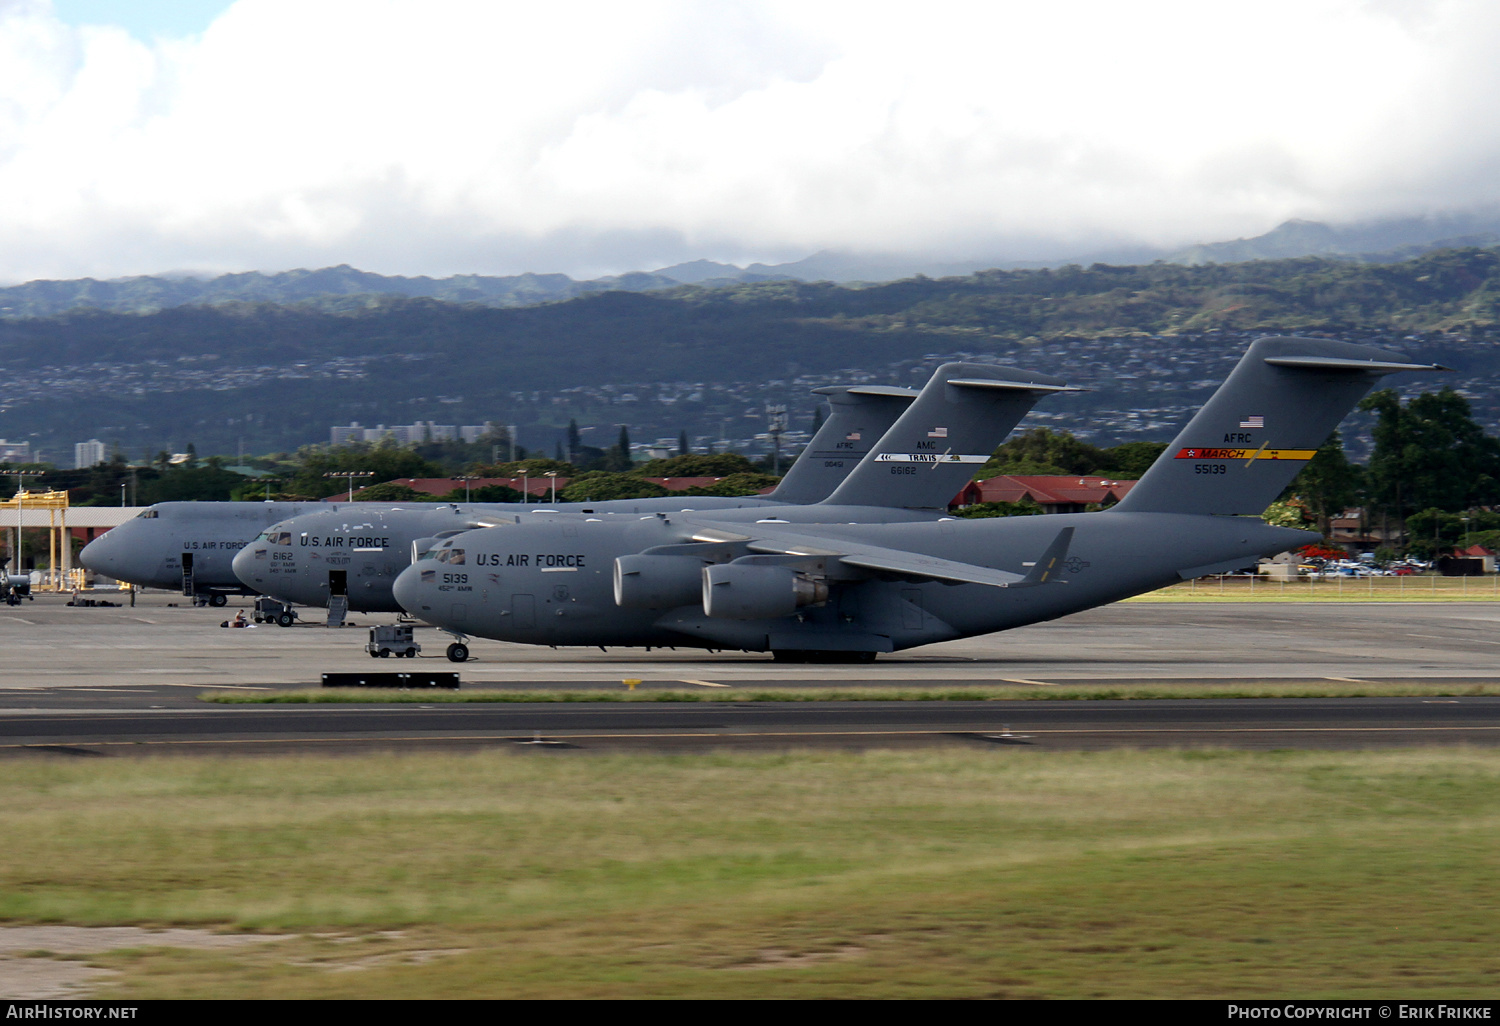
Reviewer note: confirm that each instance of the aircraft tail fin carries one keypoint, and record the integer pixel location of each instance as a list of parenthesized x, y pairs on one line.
[(861, 415), (963, 413), (1268, 418)]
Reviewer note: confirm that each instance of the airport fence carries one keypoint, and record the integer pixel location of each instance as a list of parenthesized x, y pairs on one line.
[(1411, 588)]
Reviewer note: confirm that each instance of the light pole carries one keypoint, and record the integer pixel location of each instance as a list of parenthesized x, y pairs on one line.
[(465, 478), (776, 425), (553, 475), (20, 476), (351, 475)]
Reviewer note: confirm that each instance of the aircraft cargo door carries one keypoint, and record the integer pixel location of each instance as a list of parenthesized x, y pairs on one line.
[(523, 611)]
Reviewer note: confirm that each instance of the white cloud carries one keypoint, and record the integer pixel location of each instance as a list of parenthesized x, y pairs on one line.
[(590, 137)]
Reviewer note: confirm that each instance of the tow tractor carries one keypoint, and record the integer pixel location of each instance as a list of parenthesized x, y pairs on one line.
[(395, 640), (399, 639), (269, 610), (14, 587)]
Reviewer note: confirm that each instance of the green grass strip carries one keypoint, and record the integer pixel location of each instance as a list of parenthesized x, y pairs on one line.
[(970, 871)]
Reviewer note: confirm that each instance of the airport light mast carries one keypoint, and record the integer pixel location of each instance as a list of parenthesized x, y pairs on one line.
[(351, 475), (776, 425), (466, 479), (20, 476)]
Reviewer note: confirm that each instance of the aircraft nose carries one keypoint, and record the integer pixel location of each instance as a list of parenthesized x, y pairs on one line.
[(101, 555), (408, 589), (243, 564)]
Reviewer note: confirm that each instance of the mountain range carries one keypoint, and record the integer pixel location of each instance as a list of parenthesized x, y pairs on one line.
[(346, 288)]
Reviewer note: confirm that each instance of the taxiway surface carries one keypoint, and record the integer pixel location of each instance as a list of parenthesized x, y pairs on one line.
[(109, 681)]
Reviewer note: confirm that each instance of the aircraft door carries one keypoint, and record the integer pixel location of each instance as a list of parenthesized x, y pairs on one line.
[(338, 583), (187, 573), (523, 611)]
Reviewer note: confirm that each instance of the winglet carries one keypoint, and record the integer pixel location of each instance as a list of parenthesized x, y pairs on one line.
[(1046, 568)]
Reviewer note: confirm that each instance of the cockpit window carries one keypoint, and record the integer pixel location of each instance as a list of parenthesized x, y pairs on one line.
[(275, 537), (453, 557), (147, 514)]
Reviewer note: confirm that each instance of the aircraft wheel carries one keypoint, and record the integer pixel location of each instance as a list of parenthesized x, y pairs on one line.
[(285, 619), (218, 600), (458, 652)]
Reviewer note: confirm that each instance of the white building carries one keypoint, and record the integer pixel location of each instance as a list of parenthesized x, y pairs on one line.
[(408, 434), (87, 454)]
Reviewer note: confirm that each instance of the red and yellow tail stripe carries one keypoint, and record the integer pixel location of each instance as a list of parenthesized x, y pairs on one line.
[(1262, 453)]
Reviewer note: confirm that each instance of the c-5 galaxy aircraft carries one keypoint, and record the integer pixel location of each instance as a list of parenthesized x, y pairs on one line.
[(191, 545), (915, 464), (848, 591)]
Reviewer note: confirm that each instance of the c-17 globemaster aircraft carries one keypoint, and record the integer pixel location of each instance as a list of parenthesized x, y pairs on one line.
[(191, 545), (911, 472), (848, 591), (186, 545)]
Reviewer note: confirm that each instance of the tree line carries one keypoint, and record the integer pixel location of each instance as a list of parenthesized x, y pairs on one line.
[(1433, 469)]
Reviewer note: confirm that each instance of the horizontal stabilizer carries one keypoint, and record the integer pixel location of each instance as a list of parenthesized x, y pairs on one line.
[(1334, 363), (1001, 384)]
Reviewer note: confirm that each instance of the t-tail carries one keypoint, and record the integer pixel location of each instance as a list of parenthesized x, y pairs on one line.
[(963, 413), (861, 415), (1261, 427)]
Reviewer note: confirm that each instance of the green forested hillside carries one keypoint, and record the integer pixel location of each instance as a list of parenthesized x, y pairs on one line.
[(274, 376)]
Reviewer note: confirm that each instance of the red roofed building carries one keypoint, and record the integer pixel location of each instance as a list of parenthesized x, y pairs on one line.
[(1054, 493)]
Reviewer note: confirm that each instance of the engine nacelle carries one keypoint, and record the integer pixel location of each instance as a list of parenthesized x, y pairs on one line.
[(734, 591), (19, 583), (657, 582)]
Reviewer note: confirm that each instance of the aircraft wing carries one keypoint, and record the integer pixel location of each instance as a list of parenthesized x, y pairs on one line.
[(882, 560)]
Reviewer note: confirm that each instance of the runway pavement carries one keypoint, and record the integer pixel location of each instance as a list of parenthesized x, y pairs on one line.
[(113, 681), (1254, 724)]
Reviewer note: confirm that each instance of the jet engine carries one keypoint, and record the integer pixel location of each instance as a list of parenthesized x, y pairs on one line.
[(657, 582), (735, 591)]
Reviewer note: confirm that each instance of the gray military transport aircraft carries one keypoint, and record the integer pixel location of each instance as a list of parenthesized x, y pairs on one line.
[(844, 592), (186, 545), (911, 467), (192, 545)]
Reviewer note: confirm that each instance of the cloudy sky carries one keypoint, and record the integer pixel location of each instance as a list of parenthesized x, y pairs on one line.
[(451, 136)]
